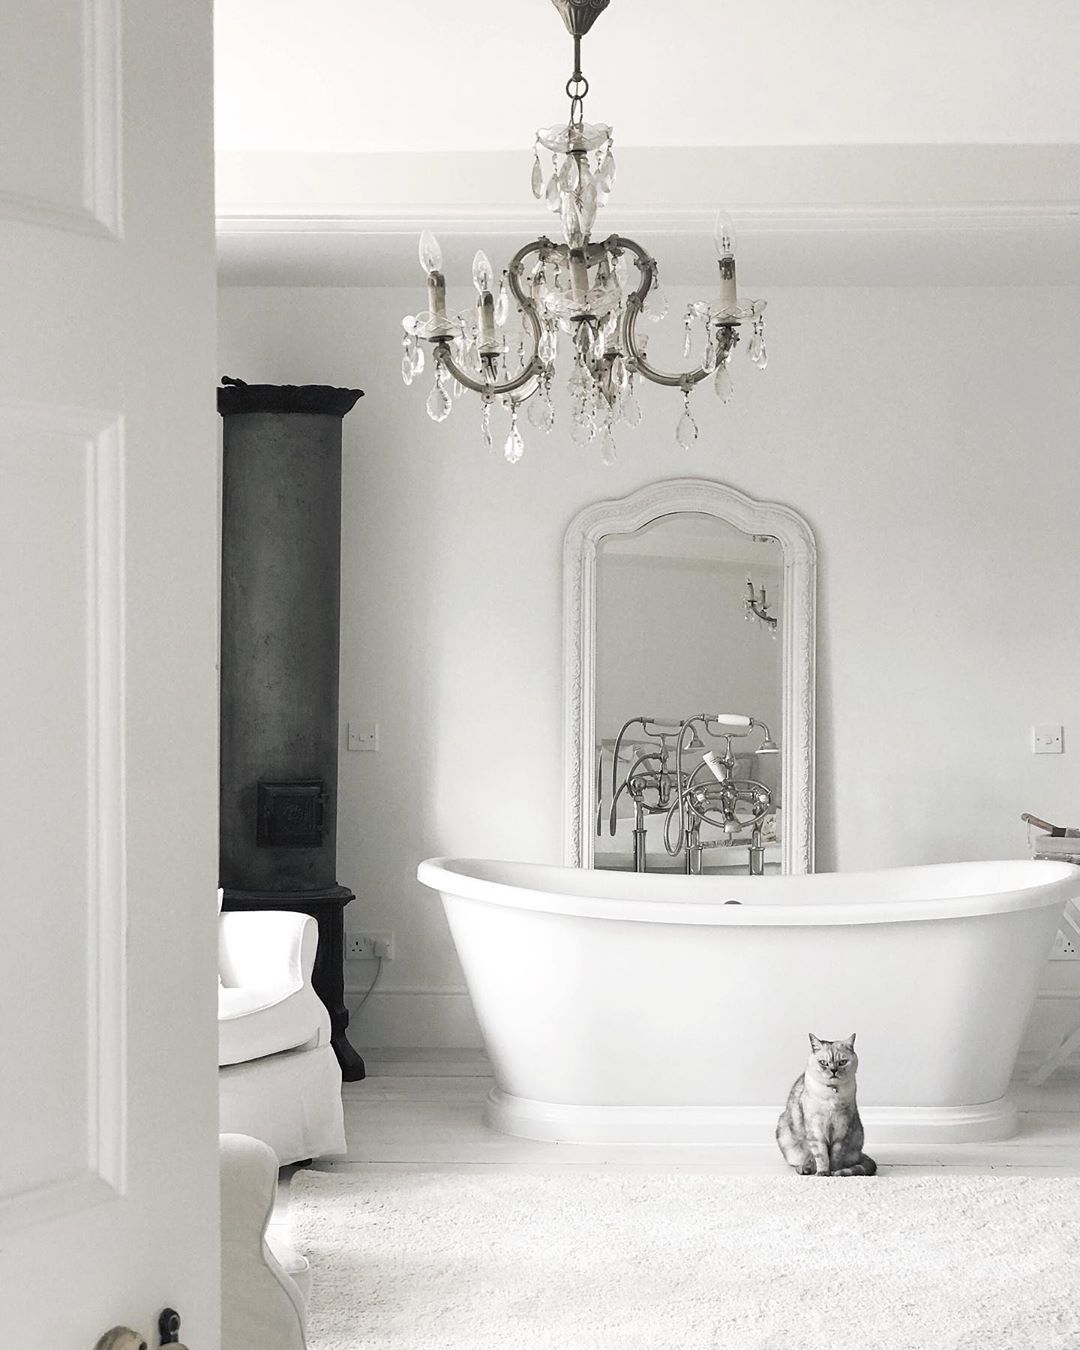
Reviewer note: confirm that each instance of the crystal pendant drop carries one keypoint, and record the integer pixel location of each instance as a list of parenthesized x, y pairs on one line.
[(417, 359), (537, 178), (607, 172), (588, 207), (541, 413), (723, 385), (569, 174), (502, 304), (485, 425), (438, 401), (571, 220), (406, 369), (608, 452), (758, 352), (552, 196), (515, 446), (656, 304), (688, 336), (581, 433), (549, 345), (686, 433), (631, 408), (623, 264), (457, 388), (708, 361)]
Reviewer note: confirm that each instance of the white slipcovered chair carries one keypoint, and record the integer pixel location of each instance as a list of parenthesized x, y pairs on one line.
[(279, 1079), (265, 1284)]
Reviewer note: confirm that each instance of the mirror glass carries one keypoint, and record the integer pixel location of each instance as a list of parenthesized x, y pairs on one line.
[(688, 611)]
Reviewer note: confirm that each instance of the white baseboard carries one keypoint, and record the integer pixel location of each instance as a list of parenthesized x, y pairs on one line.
[(1056, 1013), (431, 1018)]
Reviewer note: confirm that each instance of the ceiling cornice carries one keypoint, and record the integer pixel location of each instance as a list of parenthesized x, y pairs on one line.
[(692, 220)]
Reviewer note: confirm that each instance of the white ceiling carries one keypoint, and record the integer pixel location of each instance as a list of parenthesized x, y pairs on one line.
[(362, 76), (926, 142)]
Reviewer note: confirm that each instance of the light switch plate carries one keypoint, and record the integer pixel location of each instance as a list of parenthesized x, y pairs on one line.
[(1047, 739), (362, 735)]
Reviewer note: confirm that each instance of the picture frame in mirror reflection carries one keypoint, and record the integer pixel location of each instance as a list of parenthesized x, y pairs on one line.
[(689, 592)]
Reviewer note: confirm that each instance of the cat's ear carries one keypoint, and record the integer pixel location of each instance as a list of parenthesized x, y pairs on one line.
[(815, 1044), (850, 1042)]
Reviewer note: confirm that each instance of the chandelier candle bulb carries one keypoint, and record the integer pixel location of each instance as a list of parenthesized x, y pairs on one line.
[(483, 274), (430, 253), (724, 237)]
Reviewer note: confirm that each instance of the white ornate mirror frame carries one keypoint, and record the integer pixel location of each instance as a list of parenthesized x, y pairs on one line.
[(630, 513)]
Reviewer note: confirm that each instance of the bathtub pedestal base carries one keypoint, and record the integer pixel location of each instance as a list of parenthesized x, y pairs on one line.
[(886, 1126)]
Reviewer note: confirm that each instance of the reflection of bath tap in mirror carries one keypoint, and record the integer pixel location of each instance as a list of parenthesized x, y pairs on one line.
[(655, 593), (699, 796)]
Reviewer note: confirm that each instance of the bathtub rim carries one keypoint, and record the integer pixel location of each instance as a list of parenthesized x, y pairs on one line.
[(1053, 883)]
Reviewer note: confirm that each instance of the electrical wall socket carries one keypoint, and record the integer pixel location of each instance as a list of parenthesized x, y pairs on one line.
[(369, 946), (1066, 948)]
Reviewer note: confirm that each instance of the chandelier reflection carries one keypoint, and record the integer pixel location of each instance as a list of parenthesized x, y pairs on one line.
[(576, 300)]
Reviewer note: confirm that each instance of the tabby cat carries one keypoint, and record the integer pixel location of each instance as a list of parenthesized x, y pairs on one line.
[(819, 1130)]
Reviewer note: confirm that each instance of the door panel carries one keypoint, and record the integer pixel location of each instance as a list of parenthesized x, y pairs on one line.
[(59, 76), (62, 809), (108, 693)]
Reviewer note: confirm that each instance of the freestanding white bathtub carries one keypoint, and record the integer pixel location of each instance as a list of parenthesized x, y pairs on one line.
[(652, 1009)]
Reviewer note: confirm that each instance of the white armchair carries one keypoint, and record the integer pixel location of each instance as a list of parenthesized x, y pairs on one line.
[(279, 1079)]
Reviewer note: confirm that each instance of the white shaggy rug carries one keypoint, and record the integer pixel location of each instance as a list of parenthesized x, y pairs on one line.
[(412, 1260)]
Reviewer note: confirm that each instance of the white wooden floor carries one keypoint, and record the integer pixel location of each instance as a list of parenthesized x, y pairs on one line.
[(423, 1110)]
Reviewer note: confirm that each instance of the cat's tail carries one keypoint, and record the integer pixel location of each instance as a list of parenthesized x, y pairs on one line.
[(865, 1167)]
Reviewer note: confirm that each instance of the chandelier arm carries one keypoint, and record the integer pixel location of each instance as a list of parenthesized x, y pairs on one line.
[(638, 363), (526, 304), (534, 367), (634, 305), (487, 389)]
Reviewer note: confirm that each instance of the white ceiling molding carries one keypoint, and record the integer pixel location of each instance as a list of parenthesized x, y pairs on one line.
[(823, 215)]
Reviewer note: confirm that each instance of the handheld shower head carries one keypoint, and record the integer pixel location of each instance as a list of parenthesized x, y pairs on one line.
[(768, 746)]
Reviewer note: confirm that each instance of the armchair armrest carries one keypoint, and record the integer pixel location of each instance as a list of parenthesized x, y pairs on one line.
[(263, 948), (261, 1305)]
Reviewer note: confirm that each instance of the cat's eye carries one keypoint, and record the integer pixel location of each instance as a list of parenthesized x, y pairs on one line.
[(842, 1062), (824, 1063)]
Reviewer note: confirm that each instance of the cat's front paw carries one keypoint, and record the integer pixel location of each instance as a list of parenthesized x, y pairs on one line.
[(806, 1170)]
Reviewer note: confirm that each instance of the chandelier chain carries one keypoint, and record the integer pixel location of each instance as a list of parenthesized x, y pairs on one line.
[(577, 86)]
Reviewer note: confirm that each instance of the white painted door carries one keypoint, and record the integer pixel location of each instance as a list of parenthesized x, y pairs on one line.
[(108, 705)]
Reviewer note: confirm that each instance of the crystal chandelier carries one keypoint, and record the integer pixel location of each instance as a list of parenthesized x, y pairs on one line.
[(579, 296)]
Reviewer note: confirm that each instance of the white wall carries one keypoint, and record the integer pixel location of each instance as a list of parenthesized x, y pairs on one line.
[(929, 437)]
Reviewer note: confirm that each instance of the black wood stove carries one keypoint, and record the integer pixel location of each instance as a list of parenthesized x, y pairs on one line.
[(280, 620)]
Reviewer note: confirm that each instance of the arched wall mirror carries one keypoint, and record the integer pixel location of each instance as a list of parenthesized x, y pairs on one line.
[(689, 667)]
